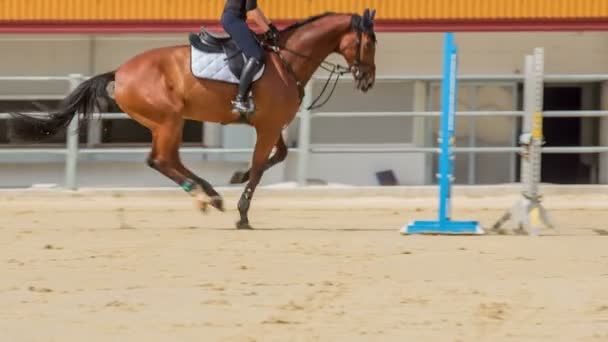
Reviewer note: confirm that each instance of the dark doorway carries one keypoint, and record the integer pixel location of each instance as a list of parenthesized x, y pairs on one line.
[(562, 168)]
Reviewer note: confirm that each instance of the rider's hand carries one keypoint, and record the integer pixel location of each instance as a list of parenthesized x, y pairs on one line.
[(272, 34), (273, 29)]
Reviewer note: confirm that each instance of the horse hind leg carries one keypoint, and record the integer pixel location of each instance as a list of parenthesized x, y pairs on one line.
[(164, 158), (210, 197)]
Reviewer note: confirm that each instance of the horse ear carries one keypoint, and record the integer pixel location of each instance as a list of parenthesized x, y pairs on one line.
[(373, 15), (366, 16)]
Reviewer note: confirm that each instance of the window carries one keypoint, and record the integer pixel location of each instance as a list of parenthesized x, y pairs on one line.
[(386, 96), (7, 106), (111, 131), (491, 131)]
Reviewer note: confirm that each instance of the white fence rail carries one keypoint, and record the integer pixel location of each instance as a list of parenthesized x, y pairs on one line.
[(305, 147)]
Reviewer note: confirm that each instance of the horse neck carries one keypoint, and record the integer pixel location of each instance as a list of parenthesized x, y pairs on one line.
[(316, 41)]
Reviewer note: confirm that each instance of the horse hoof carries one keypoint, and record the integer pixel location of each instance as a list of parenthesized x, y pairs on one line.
[(238, 178), (203, 202), (243, 225), (218, 203), (203, 207)]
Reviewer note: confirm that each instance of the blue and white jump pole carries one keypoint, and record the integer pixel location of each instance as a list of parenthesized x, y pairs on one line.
[(449, 86)]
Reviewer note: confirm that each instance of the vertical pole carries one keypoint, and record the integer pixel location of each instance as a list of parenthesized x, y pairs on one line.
[(446, 137), (304, 137), (603, 168), (94, 127), (528, 212), (529, 88), (472, 174), (94, 132), (212, 138), (513, 156), (432, 170), (537, 122), (420, 132), (212, 135), (71, 156)]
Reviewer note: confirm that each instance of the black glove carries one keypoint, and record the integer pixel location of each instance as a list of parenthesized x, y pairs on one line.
[(272, 35), (273, 29)]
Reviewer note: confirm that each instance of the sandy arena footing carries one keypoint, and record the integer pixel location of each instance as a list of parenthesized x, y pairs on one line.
[(324, 264)]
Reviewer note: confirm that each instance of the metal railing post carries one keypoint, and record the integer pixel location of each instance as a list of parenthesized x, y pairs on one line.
[(72, 135), (304, 137), (603, 166)]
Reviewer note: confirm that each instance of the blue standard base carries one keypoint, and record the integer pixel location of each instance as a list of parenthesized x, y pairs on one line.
[(446, 227)]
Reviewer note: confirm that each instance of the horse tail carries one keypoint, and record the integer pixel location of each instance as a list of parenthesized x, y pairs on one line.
[(84, 100)]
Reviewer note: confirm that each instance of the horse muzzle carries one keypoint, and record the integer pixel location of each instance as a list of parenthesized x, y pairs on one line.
[(365, 77)]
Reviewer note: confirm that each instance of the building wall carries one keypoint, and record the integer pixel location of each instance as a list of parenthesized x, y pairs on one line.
[(494, 53), (398, 54)]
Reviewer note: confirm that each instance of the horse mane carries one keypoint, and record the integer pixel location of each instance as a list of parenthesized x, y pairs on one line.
[(307, 21)]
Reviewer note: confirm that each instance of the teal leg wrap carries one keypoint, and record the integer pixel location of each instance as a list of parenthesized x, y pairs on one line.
[(188, 185)]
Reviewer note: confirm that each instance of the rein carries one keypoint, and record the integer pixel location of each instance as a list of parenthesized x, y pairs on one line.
[(333, 69), (336, 69)]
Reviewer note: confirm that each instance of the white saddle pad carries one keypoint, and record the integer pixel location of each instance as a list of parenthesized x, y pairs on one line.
[(214, 66)]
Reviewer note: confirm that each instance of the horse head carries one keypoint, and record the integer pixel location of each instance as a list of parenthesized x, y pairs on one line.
[(358, 47)]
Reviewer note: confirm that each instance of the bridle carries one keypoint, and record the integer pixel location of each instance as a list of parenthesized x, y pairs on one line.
[(361, 28), (333, 68)]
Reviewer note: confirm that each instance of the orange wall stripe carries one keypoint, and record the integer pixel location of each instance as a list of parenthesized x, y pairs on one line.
[(288, 9)]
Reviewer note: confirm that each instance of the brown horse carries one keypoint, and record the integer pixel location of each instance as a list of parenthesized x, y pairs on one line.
[(158, 90)]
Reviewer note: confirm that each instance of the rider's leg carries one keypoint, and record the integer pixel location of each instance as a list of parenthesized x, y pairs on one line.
[(243, 103), (243, 36)]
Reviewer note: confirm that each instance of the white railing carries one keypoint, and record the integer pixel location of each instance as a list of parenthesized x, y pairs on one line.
[(471, 80), (305, 147)]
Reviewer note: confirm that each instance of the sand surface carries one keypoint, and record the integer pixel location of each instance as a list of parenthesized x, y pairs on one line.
[(321, 266)]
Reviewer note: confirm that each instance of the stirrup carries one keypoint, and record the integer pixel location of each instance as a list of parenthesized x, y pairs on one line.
[(243, 107)]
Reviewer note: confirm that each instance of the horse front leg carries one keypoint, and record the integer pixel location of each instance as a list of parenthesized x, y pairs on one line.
[(264, 144), (279, 156)]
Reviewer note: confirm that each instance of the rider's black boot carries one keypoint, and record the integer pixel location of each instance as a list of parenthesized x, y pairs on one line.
[(243, 102)]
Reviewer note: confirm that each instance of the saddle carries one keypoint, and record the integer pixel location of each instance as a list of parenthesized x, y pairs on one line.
[(219, 43), (215, 40)]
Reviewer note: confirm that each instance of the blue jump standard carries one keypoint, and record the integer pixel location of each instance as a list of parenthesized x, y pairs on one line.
[(445, 227), (449, 87)]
